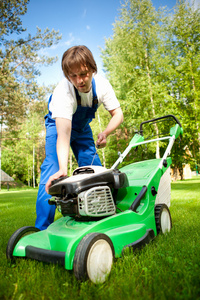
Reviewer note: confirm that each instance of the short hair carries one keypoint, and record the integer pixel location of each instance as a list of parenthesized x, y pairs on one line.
[(78, 55)]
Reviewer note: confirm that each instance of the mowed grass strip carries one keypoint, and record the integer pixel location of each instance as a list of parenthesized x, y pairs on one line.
[(167, 268)]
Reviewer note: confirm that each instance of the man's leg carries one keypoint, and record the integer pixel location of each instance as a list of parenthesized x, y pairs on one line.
[(45, 212)]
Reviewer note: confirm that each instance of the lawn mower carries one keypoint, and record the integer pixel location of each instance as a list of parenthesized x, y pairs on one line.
[(105, 211)]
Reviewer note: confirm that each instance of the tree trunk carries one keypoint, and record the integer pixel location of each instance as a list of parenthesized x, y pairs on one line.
[(103, 152), (152, 104)]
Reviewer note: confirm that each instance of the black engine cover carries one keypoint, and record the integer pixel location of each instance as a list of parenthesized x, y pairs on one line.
[(112, 178)]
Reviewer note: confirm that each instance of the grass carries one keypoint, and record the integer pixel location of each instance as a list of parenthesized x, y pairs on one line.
[(168, 268)]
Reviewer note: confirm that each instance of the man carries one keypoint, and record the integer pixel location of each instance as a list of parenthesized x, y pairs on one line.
[(71, 108)]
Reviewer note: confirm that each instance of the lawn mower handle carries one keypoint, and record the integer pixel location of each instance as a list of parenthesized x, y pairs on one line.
[(160, 118), (138, 199)]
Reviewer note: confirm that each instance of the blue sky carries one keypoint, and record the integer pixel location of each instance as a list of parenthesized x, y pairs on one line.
[(81, 22)]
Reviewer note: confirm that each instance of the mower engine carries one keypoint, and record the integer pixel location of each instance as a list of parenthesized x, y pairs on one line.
[(89, 192), (95, 202)]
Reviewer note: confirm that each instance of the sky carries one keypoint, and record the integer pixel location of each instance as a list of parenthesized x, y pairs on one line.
[(81, 22)]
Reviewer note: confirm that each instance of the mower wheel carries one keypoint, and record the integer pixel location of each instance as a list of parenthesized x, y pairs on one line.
[(16, 236), (94, 257), (163, 218)]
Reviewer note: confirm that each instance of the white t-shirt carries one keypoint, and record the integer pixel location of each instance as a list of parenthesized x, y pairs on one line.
[(64, 103)]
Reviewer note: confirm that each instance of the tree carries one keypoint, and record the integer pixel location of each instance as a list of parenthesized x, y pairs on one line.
[(20, 58), (10, 12), (185, 49), (152, 61), (135, 63), (17, 154)]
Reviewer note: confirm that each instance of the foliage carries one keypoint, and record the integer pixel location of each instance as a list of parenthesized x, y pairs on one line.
[(22, 101), (17, 154), (19, 61), (185, 47), (11, 11), (152, 61)]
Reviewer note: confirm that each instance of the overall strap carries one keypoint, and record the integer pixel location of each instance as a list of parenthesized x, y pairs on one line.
[(50, 98), (94, 93), (78, 97)]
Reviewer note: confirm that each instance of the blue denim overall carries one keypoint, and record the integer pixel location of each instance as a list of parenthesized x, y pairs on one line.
[(83, 147)]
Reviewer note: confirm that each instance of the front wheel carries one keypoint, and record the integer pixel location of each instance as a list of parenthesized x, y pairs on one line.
[(94, 257), (163, 218), (16, 236)]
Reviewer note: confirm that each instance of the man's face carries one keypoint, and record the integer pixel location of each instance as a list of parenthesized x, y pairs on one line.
[(81, 78)]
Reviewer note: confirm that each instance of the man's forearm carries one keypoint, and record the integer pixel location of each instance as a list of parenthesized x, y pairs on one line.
[(63, 142), (63, 152), (115, 121)]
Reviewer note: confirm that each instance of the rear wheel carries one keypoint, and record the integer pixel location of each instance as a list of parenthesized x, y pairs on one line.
[(16, 236), (94, 257), (163, 218)]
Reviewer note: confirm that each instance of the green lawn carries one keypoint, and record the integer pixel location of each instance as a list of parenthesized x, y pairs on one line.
[(168, 268)]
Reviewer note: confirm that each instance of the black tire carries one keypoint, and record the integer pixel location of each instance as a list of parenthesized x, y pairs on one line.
[(94, 257), (163, 218), (16, 236)]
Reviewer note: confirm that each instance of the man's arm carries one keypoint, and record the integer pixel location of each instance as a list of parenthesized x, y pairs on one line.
[(63, 127), (116, 120)]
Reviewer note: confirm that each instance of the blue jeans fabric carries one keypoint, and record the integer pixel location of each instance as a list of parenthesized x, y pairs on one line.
[(82, 144)]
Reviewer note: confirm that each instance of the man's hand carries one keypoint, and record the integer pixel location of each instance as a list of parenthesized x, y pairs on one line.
[(57, 175), (101, 142), (116, 120), (63, 127)]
